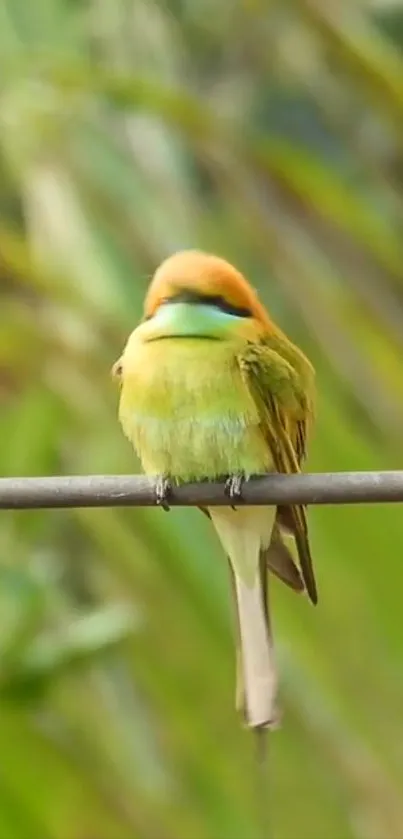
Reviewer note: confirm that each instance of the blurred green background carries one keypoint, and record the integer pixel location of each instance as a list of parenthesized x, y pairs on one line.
[(270, 133)]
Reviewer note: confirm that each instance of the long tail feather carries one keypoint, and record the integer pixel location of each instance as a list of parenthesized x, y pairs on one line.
[(241, 533), (259, 670)]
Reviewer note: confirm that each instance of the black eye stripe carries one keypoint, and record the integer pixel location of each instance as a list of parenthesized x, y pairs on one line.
[(211, 300)]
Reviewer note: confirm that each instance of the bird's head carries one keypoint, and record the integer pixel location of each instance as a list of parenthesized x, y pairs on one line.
[(198, 295)]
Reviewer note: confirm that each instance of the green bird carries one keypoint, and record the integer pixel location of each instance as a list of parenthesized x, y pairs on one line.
[(211, 387)]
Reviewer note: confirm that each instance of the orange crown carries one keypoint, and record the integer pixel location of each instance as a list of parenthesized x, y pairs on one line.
[(204, 274)]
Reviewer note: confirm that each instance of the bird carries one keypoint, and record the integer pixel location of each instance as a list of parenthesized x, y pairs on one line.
[(210, 389)]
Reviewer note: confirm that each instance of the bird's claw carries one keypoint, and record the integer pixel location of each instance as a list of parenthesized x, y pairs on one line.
[(163, 488), (233, 488)]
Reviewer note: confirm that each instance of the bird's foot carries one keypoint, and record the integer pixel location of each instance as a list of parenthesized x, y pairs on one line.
[(233, 488), (163, 489)]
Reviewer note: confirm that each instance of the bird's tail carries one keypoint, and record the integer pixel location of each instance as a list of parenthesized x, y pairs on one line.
[(243, 533)]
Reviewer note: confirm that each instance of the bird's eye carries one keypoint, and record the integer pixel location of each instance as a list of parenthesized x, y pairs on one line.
[(117, 369)]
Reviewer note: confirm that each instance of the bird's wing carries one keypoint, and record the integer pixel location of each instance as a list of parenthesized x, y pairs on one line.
[(283, 394)]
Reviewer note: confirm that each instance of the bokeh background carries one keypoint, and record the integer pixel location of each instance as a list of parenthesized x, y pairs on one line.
[(270, 133)]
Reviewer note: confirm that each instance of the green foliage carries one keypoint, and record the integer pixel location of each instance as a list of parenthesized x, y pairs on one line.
[(271, 134)]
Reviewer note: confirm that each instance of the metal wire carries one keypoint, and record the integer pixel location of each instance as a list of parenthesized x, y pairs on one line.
[(137, 490)]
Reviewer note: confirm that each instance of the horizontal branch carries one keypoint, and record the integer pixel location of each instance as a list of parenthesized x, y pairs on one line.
[(139, 491)]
